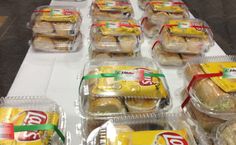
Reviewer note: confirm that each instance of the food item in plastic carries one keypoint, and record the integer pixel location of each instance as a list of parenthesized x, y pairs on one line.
[(137, 105), (108, 10), (52, 44), (21, 111), (106, 105), (115, 37), (159, 12), (225, 133), (56, 21), (175, 130), (168, 58), (186, 36), (150, 29)]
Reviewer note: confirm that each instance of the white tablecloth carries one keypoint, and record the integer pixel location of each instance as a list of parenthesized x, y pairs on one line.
[(57, 76)]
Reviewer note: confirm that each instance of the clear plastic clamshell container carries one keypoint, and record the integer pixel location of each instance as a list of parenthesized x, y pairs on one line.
[(157, 13), (162, 129), (114, 87), (168, 58), (56, 44), (191, 36), (115, 38), (111, 9), (63, 21), (21, 111), (212, 89), (225, 133)]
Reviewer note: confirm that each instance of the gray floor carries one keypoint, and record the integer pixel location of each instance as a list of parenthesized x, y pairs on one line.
[(14, 36)]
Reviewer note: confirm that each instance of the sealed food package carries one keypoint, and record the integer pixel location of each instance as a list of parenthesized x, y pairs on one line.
[(162, 129), (212, 87), (168, 58), (56, 44), (112, 87), (63, 21), (110, 10), (225, 133), (157, 13), (115, 38), (31, 121), (190, 36)]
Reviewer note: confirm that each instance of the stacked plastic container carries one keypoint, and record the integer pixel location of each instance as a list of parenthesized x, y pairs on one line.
[(114, 32), (34, 120), (56, 29), (212, 93), (112, 88)]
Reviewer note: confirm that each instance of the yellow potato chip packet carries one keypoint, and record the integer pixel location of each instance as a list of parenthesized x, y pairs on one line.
[(166, 7), (228, 81), (28, 117), (119, 27), (111, 5), (158, 137), (59, 15), (129, 81), (186, 28)]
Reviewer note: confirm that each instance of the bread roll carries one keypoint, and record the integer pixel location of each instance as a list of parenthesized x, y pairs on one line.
[(43, 27), (127, 43), (43, 43)]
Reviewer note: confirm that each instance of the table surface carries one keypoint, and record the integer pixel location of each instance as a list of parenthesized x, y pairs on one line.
[(57, 76)]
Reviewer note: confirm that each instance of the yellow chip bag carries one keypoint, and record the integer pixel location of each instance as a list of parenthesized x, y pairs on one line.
[(129, 81), (228, 81), (166, 7), (119, 27), (186, 28), (158, 137), (59, 15), (28, 117), (111, 5)]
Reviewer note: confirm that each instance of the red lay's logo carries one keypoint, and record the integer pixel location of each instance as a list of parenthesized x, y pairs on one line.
[(32, 117), (144, 80), (170, 138)]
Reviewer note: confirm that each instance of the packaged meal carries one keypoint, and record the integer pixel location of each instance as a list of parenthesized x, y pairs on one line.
[(110, 9), (56, 44), (212, 89), (190, 36), (164, 129), (143, 3), (115, 37), (168, 58), (157, 13), (225, 133), (113, 87), (31, 121), (56, 21)]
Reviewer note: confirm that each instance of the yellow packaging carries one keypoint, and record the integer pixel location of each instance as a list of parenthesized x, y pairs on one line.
[(111, 5), (166, 7), (59, 15), (226, 82), (28, 117), (129, 83), (119, 27), (159, 137), (186, 28)]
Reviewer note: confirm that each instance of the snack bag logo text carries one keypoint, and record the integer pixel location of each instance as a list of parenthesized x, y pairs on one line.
[(32, 117), (145, 81), (170, 138), (61, 12), (229, 73)]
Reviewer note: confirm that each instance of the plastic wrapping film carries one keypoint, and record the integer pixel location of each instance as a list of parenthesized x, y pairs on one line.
[(26, 113), (143, 3), (157, 13), (60, 21), (189, 36), (167, 58), (56, 44), (150, 129), (115, 38), (211, 90), (110, 10), (225, 133)]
